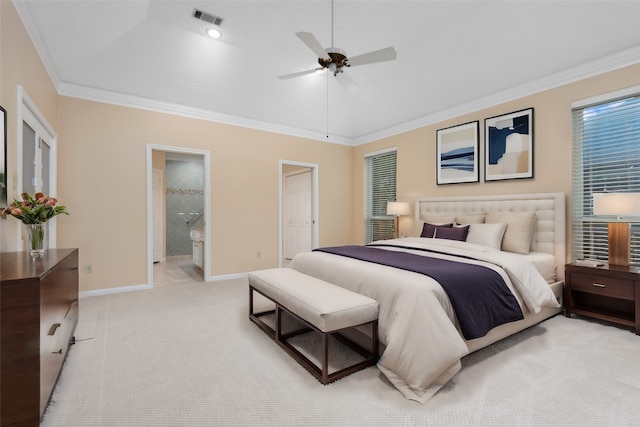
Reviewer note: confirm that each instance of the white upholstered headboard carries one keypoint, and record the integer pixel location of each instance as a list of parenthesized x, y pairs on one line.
[(549, 234)]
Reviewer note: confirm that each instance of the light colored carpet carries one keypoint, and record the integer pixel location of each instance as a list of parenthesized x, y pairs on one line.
[(187, 355)]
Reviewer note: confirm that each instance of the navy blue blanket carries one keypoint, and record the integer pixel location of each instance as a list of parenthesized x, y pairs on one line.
[(479, 295)]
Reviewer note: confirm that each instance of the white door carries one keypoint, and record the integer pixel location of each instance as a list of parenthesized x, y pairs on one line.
[(297, 217), (158, 217)]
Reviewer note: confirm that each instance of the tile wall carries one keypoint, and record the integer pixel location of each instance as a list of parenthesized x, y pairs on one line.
[(185, 200)]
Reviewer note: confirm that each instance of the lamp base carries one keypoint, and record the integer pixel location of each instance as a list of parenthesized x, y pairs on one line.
[(619, 243), (395, 227)]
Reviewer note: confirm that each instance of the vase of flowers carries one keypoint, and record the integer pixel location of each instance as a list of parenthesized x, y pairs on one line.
[(34, 212)]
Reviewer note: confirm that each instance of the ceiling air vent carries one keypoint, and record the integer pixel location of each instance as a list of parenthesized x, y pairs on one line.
[(207, 17)]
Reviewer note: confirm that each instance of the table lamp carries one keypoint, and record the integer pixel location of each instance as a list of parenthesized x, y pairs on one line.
[(619, 231), (397, 209)]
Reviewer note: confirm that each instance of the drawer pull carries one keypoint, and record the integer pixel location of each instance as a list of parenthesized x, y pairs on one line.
[(53, 328), (599, 285)]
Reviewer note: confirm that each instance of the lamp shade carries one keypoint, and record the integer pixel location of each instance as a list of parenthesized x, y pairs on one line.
[(397, 208), (616, 204)]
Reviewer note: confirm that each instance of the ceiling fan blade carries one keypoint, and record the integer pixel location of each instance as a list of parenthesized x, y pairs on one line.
[(298, 74), (386, 54), (312, 42)]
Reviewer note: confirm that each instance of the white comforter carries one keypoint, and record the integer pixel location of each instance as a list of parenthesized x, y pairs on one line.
[(416, 320)]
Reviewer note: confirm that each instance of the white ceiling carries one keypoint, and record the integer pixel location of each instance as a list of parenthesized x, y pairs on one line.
[(453, 57)]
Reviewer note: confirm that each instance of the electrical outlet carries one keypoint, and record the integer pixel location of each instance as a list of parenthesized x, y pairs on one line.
[(88, 268)]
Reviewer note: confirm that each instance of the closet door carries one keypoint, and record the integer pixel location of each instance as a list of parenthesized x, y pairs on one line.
[(297, 214)]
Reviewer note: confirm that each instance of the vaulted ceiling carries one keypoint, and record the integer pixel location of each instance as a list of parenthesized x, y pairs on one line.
[(452, 57)]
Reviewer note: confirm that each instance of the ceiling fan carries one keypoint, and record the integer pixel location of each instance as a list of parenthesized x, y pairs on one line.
[(335, 60)]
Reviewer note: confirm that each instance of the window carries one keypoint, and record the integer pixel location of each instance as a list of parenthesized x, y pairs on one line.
[(605, 158), (380, 172), (37, 154)]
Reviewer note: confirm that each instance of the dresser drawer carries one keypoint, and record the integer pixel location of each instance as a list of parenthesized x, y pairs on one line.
[(602, 285)]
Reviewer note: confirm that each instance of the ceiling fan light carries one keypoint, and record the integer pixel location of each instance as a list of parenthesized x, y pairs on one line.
[(214, 33)]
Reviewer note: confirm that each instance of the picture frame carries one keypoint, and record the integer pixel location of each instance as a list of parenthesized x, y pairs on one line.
[(3, 159), (509, 146), (457, 153)]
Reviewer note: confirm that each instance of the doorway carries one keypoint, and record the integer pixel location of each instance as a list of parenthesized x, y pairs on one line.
[(184, 177), (298, 219)]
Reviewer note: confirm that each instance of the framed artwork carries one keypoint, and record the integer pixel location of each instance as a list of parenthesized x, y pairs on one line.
[(3, 158), (508, 141), (457, 154)]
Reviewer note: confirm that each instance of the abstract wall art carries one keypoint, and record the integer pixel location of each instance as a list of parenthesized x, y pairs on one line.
[(509, 146), (457, 153)]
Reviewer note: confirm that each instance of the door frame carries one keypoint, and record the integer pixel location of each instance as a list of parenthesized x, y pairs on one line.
[(162, 215), (314, 204), (206, 161)]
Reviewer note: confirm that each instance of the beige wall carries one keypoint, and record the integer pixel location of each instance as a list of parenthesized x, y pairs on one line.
[(552, 149), (20, 65), (102, 169)]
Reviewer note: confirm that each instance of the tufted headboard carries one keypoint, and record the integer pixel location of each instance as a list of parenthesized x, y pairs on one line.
[(549, 234)]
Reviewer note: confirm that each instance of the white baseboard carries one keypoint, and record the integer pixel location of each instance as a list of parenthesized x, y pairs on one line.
[(227, 277), (110, 291), (135, 288)]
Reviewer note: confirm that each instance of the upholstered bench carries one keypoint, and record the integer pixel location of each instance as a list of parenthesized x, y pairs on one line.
[(322, 307)]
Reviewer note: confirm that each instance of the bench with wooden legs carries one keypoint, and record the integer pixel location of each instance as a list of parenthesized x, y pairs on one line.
[(322, 307)]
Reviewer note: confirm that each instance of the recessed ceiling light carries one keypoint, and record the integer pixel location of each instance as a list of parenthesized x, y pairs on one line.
[(214, 33)]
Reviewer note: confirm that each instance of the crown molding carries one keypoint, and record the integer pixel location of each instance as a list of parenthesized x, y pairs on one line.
[(108, 97), (32, 31), (600, 66)]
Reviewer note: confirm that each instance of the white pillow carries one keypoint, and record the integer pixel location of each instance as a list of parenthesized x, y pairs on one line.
[(438, 219), (487, 234), (470, 218), (517, 237)]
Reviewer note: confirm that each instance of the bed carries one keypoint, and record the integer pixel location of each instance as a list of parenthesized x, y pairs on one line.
[(424, 338)]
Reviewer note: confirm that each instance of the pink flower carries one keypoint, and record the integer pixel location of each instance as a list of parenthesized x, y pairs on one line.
[(31, 210)]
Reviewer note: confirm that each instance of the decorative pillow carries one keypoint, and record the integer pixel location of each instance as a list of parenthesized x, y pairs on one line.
[(429, 230), (487, 234), (470, 218), (432, 219), (454, 233), (517, 237)]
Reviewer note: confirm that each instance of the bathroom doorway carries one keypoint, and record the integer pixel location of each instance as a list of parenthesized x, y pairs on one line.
[(180, 218)]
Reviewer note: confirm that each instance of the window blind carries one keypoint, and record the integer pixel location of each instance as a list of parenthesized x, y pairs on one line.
[(605, 158), (380, 176)]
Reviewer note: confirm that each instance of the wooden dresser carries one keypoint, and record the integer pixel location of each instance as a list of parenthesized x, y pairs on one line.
[(39, 314)]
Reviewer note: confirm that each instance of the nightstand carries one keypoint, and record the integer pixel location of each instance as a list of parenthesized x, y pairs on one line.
[(610, 293)]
